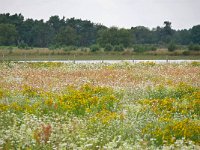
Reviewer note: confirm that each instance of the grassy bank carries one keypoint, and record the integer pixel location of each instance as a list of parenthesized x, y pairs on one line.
[(99, 106), (16, 54)]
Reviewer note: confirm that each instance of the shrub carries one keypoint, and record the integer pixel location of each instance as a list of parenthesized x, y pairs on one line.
[(108, 47), (143, 48), (153, 48), (186, 53), (53, 47), (94, 47), (195, 47), (70, 48), (139, 48), (119, 47), (22, 45), (172, 47)]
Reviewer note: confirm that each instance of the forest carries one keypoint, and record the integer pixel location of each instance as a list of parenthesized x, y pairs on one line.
[(56, 32)]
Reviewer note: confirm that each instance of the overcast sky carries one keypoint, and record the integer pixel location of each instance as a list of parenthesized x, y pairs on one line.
[(121, 13)]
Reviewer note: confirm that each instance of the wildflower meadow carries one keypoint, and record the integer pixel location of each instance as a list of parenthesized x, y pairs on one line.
[(99, 106)]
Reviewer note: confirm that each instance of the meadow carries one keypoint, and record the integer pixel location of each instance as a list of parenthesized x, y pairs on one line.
[(99, 106)]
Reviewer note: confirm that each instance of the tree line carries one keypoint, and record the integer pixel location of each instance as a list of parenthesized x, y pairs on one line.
[(16, 31)]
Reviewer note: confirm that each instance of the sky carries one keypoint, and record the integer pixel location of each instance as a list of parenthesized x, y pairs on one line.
[(121, 13)]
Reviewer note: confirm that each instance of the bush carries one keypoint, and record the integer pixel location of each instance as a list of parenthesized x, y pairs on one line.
[(143, 48), (69, 48), (195, 47), (119, 47), (108, 47), (186, 53), (153, 48), (53, 47), (139, 48), (22, 45), (172, 47), (94, 47)]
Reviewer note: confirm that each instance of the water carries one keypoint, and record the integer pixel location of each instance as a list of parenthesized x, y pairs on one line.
[(116, 61)]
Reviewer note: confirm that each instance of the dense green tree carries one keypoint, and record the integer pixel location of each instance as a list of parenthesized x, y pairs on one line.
[(66, 36), (86, 30), (195, 34), (56, 23), (114, 36), (182, 37), (41, 34), (26, 35), (8, 34), (16, 19), (108, 47), (167, 32), (172, 46), (56, 31), (142, 35)]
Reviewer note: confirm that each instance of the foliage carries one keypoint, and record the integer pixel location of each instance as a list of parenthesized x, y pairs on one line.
[(108, 47), (70, 48), (66, 36), (84, 33), (195, 34), (95, 47), (8, 34), (54, 47), (114, 36), (118, 47), (141, 35), (194, 47), (172, 47), (186, 53), (143, 48), (22, 45)]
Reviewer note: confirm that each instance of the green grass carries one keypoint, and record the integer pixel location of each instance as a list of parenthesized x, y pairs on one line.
[(94, 57), (15, 54)]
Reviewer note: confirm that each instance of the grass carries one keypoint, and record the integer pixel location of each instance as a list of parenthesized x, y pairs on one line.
[(95, 57), (99, 106), (16, 54)]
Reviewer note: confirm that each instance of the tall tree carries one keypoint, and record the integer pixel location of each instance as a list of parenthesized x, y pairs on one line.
[(167, 32), (41, 34), (195, 34), (114, 36), (56, 23), (8, 34), (182, 37), (66, 36), (142, 35)]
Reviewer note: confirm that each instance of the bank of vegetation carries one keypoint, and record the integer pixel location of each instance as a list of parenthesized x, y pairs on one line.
[(71, 34)]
